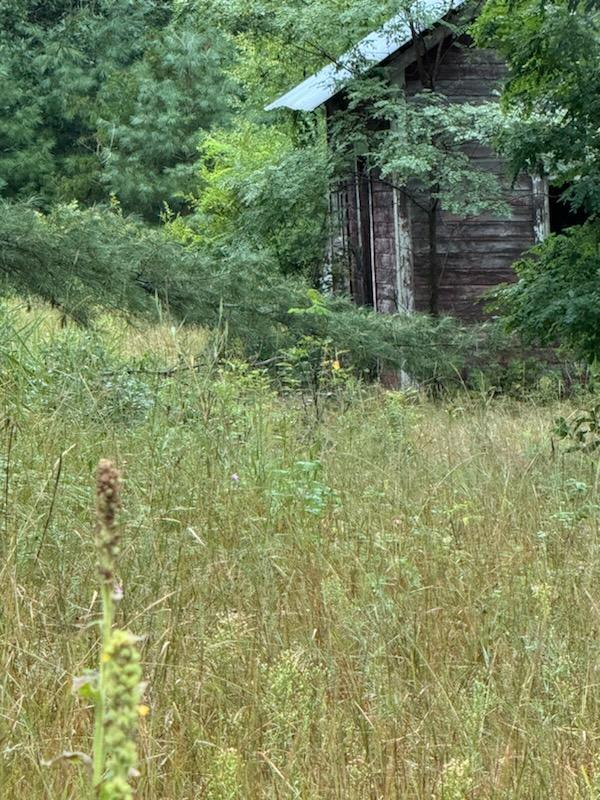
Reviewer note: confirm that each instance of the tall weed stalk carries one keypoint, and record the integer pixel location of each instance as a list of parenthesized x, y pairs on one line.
[(116, 687)]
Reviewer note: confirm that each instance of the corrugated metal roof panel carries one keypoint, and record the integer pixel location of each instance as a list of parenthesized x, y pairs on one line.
[(373, 49)]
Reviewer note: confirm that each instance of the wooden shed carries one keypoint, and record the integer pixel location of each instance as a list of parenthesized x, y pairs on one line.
[(381, 236)]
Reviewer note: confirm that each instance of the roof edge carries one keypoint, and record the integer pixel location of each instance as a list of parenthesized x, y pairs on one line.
[(370, 51)]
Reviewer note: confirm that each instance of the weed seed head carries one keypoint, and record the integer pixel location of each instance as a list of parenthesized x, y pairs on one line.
[(108, 487)]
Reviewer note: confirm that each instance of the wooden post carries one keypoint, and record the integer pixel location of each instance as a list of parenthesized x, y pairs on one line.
[(434, 261), (372, 254), (541, 208), (405, 295)]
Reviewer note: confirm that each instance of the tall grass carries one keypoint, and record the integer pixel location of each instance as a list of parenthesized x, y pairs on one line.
[(400, 599)]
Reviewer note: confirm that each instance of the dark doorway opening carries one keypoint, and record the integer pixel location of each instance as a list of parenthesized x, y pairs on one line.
[(363, 289), (561, 214)]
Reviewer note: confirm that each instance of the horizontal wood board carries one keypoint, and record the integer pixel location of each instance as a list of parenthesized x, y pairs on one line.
[(476, 253)]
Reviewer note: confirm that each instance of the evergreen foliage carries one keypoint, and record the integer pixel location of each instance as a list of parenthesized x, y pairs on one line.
[(89, 260), (176, 91), (87, 85)]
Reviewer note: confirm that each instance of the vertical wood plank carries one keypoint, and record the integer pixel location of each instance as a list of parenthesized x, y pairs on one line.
[(541, 208), (405, 295)]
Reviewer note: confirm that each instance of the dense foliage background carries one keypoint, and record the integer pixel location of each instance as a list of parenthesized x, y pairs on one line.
[(140, 172)]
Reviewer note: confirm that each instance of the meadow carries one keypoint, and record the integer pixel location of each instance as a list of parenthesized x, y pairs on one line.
[(387, 596)]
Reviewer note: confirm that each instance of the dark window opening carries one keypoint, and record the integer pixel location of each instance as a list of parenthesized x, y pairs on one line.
[(561, 214)]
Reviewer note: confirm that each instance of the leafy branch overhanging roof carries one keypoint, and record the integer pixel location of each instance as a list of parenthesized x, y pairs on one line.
[(370, 51)]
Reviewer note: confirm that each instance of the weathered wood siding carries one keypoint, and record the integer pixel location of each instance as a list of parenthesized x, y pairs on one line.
[(384, 245), (367, 230), (386, 235), (476, 253)]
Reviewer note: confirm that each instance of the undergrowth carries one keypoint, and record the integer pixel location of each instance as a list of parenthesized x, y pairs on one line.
[(395, 597)]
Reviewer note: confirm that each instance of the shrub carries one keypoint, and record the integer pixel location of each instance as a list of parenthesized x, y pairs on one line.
[(557, 296)]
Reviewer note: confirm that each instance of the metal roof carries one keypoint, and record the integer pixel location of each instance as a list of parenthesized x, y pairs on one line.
[(372, 50)]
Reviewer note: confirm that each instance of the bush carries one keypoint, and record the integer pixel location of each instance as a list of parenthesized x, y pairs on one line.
[(557, 296), (256, 187)]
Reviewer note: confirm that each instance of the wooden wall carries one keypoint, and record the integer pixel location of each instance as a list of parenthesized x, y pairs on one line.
[(384, 245), (365, 241), (476, 253)]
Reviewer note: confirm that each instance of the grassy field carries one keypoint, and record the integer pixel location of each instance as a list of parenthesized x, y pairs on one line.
[(397, 598)]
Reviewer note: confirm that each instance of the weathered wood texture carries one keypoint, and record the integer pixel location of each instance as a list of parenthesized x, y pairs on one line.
[(384, 245), (475, 253), (366, 241)]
